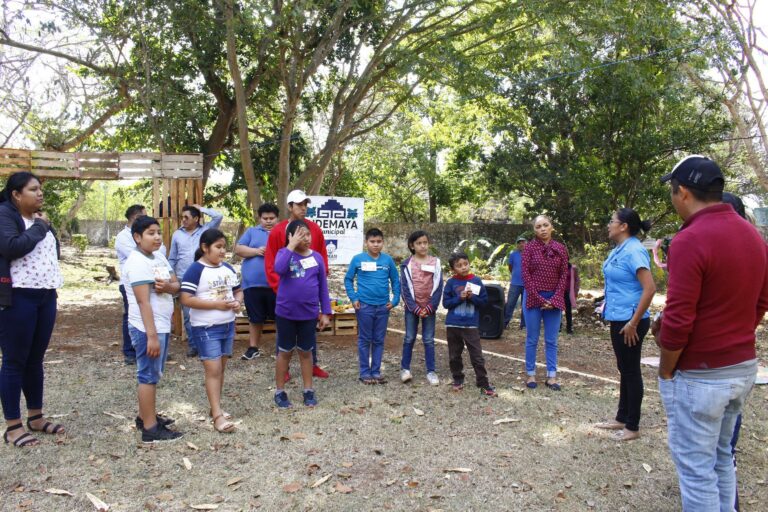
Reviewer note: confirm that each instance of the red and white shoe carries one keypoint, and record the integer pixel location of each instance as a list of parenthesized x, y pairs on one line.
[(319, 372)]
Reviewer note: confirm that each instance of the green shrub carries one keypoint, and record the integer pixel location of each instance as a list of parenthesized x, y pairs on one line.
[(111, 242), (591, 265), (80, 242)]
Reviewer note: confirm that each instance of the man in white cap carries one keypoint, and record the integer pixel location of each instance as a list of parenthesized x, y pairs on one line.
[(297, 210)]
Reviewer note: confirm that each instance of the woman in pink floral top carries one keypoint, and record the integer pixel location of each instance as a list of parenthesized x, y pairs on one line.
[(545, 277)]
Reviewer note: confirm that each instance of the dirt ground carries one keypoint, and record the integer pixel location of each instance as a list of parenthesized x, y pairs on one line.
[(392, 447)]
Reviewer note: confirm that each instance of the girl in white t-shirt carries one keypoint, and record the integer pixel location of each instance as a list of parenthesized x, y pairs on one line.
[(211, 290)]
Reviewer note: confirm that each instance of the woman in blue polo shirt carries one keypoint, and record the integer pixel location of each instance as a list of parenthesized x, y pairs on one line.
[(629, 289)]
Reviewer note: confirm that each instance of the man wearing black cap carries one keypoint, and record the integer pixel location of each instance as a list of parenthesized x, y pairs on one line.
[(716, 296)]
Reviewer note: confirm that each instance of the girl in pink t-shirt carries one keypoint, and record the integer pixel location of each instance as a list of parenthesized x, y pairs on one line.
[(421, 281)]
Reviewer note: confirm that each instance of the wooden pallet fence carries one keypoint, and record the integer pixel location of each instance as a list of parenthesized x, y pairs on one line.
[(89, 165)]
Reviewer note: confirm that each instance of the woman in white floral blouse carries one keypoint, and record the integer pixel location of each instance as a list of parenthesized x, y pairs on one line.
[(29, 277)]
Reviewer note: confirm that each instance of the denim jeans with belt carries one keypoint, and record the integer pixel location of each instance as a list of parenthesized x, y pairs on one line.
[(701, 415), (533, 320), (427, 336), (372, 329)]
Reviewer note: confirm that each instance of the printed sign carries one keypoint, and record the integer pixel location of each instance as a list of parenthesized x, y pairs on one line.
[(341, 219)]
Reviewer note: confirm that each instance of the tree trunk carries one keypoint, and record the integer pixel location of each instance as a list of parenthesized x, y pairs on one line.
[(284, 163), (72, 212), (254, 194)]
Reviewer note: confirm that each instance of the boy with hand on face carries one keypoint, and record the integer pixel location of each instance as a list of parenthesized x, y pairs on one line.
[(463, 295), (378, 291)]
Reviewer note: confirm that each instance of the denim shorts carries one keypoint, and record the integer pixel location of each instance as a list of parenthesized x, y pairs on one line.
[(214, 341), (295, 334), (148, 369)]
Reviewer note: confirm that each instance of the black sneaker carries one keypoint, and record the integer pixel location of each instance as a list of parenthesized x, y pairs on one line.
[(162, 420), (251, 353), (160, 434), (191, 352), (129, 360)]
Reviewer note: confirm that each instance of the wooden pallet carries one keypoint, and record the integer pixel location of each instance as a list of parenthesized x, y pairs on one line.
[(341, 324)]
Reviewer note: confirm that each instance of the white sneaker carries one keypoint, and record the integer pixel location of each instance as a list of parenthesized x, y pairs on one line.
[(432, 378), (405, 376)]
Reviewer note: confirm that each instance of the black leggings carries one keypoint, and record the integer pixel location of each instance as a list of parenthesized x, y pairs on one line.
[(628, 363)]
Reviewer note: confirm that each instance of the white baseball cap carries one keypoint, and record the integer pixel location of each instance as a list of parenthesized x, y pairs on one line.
[(297, 196)]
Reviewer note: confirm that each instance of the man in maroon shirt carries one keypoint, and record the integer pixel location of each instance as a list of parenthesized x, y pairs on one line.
[(297, 210), (717, 294)]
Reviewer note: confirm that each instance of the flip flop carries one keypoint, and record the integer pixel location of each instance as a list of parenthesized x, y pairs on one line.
[(553, 387), (531, 385), (367, 382)]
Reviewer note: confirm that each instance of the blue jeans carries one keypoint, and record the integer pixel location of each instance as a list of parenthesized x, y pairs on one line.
[(128, 350), (214, 341), (533, 319), (427, 336), (514, 294), (701, 415), (148, 369), (371, 331), (25, 330)]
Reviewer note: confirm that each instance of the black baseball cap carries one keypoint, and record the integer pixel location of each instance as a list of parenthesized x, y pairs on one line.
[(696, 171)]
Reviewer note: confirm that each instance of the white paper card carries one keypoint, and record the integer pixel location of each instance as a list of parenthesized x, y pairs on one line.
[(474, 288), (428, 268), (308, 262), (162, 273), (368, 266)]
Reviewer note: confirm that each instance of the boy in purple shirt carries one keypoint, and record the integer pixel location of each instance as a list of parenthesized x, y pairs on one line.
[(303, 287)]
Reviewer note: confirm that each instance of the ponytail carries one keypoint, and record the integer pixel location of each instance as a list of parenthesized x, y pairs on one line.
[(631, 218)]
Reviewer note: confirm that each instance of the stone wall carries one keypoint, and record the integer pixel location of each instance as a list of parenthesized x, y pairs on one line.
[(444, 237)]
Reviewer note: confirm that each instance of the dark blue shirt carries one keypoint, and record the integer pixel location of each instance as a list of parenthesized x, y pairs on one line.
[(516, 261)]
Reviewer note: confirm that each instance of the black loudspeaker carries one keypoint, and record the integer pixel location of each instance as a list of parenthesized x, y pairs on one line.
[(492, 314)]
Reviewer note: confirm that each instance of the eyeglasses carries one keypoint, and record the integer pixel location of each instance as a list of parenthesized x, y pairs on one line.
[(612, 221)]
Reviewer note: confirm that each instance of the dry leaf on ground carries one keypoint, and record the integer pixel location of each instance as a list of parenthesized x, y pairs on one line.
[(343, 489), (506, 420), (116, 416), (298, 435), (205, 506), (233, 481), (100, 505), (418, 412), (192, 446), (647, 467), (292, 487), (187, 463), (59, 492), (321, 481), (457, 470)]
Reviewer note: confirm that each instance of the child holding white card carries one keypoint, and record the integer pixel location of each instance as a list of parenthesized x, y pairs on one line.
[(463, 295)]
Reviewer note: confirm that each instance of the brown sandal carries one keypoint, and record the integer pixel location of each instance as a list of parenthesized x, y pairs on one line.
[(48, 427), (24, 440), (227, 428)]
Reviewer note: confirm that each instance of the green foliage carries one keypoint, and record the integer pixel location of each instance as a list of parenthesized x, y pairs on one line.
[(486, 258), (590, 264), (80, 242)]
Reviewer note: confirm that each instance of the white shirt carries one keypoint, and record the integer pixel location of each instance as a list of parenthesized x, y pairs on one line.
[(210, 283), (125, 245), (140, 269), (38, 269)]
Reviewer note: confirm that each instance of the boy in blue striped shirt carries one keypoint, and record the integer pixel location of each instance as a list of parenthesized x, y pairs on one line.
[(378, 291)]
